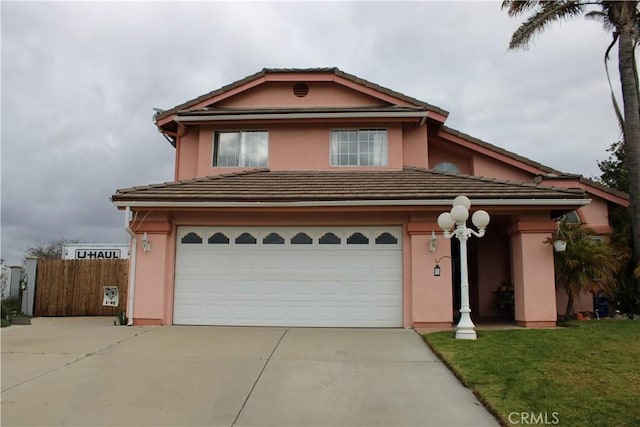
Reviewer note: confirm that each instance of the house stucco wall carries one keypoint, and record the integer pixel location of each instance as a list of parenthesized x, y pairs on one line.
[(187, 149), (280, 94), (427, 300), (596, 215), (533, 271), (485, 166), (439, 152), (153, 274), (431, 298), (583, 302), (414, 147), (513, 249), (300, 147)]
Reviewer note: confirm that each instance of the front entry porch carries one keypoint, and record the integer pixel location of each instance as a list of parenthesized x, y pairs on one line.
[(511, 273)]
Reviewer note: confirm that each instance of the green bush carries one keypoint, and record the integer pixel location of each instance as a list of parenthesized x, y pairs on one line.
[(13, 304), (6, 314), (9, 305)]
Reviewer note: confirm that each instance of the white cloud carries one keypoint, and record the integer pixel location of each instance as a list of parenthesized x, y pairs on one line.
[(79, 81)]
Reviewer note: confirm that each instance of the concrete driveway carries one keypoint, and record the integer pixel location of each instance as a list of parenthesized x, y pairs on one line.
[(85, 371)]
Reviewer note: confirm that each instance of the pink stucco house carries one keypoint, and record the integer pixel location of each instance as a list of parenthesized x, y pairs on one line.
[(309, 197)]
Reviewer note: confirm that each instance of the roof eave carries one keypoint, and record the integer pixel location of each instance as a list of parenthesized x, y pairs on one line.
[(413, 115), (344, 203)]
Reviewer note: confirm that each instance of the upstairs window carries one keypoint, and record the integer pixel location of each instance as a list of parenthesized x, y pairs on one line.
[(241, 148), (447, 167), (571, 218), (359, 147)]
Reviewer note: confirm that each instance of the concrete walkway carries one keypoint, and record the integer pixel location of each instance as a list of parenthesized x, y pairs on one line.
[(85, 371)]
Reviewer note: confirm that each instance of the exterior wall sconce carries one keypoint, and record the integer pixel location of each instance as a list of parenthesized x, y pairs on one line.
[(437, 270), (457, 218), (433, 243), (146, 243)]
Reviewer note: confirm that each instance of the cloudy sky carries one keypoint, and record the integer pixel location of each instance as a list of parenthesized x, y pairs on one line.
[(79, 81)]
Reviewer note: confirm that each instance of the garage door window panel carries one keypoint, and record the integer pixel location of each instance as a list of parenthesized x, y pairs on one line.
[(329, 239), (386, 239), (273, 239), (218, 239), (301, 239), (191, 238), (246, 239), (358, 239)]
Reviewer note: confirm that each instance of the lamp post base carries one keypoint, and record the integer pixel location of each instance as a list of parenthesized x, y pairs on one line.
[(465, 329), (466, 334)]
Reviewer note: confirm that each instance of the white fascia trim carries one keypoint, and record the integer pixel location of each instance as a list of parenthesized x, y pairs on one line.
[(477, 202), (284, 116)]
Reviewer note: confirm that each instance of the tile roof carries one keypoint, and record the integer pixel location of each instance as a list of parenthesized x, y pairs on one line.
[(546, 173), (265, 71), (264, 185), (500, 150)]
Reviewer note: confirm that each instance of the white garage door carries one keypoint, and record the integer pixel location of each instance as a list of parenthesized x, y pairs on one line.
[(289, 276)]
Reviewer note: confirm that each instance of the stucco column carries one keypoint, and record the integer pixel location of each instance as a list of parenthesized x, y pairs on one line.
[(432, 299), (152, 273), (533, 273)]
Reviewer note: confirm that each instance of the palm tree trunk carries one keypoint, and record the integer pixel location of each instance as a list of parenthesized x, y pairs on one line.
[(631, 102), (569, 310)]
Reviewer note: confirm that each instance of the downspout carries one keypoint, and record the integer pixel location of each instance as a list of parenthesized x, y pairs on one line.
[(132, 266)]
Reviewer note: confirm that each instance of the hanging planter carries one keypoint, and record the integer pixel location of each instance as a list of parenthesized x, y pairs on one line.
[(559, 245)]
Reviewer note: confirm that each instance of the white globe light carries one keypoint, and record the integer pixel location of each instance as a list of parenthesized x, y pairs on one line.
[(445, 221), (459, 213), (480, 219), (462, 201)]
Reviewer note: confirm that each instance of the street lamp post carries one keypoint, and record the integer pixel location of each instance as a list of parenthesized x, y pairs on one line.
[(457, 218)]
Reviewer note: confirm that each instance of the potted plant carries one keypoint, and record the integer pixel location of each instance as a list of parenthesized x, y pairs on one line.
[(559, 244), (11, 314), (505, 300)]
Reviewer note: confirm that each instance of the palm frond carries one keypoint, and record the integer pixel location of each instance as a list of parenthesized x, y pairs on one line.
[(548, 13), (586, 265), (623, 13), (517, 7), (614, 101), (603, 18)]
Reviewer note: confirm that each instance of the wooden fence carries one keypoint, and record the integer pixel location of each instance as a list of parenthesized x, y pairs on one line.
[(75, 287)]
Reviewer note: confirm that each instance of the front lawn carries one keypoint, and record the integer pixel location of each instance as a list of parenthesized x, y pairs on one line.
[(585, 374)]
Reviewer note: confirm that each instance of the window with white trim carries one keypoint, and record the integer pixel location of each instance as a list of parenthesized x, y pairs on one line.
[(359, 147), (241, 148)]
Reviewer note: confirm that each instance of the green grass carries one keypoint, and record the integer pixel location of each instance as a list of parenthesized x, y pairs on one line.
[(588, 373)]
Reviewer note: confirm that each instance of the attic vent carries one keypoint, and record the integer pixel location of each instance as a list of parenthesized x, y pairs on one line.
[(301, 90)]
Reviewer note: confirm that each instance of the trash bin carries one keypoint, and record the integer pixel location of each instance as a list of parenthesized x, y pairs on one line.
[(601, 305)]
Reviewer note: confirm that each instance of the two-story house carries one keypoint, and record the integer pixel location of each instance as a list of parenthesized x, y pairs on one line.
[(309, 197)]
